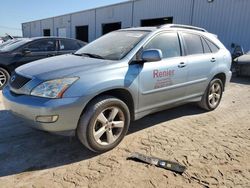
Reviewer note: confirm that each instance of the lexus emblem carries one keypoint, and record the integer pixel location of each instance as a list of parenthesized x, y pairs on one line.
[(13, 78)]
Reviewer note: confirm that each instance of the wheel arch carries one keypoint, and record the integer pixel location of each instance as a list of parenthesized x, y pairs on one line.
[(120, 93), (5, 68), (222, 77)]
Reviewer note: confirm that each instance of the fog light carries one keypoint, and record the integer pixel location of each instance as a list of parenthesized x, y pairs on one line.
[(47, 119)]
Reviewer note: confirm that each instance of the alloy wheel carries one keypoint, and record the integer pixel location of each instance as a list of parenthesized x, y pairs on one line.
[(108, 126), (215, 93), (3, 78)]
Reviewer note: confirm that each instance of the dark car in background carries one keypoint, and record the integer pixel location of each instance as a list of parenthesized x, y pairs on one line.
[(9, 42), (25, 50)]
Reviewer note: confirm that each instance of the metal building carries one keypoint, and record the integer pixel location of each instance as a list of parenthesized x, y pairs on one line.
[(229, 19)]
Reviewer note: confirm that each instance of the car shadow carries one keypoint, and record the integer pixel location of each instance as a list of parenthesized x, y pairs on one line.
[(163, 116), (23, 149)]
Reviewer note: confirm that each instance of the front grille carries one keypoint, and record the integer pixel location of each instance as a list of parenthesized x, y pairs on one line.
[(17, 81)]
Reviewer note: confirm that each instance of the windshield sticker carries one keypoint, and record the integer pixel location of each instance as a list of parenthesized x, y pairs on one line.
[(163, 78)]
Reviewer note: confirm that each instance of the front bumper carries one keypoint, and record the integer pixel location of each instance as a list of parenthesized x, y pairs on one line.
[(29, 107)]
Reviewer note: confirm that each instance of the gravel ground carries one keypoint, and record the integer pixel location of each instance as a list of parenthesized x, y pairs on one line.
[(214, 146)]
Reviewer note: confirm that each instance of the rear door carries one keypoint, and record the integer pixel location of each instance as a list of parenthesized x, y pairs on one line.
[(201, 63), (163, 82), (36, 50), (67, 46)]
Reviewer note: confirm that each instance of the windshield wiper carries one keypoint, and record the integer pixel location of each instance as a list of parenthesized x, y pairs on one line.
[(91, 55)]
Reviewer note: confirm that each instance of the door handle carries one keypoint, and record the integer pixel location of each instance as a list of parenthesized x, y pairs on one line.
[(213, 59), (182, 65)]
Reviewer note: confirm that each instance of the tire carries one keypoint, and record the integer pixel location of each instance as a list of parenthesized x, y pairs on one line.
[(103, 124), (4, 78), (213, 94)]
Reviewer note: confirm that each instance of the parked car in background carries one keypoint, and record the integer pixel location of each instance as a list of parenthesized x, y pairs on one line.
[(237, 50), (122, 76), (17, 52), (242, 65), (8, 37), (241, 61), (9, 42)]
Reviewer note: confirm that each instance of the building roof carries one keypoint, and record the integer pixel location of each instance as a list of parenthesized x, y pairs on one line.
[(116, 4)]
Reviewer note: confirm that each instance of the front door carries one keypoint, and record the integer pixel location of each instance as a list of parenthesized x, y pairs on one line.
[(163, 82)]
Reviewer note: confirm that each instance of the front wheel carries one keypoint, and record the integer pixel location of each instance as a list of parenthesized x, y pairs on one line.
[(213, 94), (104, 124), (4, 77)]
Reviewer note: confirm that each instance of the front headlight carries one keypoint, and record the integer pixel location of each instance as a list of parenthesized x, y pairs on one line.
[(53, 88)]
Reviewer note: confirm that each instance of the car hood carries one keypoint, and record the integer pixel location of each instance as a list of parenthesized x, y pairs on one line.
[(62, 66)]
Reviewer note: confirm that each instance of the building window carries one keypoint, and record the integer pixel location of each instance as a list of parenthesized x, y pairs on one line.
[(46, 32)]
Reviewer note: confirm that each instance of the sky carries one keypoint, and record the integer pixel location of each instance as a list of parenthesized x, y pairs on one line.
[(15, 12)]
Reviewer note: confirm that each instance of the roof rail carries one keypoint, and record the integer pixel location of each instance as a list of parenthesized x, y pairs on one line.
[(183, 27)]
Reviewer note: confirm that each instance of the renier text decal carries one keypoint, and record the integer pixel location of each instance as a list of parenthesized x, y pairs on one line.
[(163, 78), (161, 74)]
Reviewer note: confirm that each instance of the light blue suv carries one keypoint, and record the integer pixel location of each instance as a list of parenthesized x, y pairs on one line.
[(122, 76)]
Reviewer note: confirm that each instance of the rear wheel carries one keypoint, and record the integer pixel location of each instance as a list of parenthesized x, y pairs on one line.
[(212, 97), (4, 77), (104, 124)]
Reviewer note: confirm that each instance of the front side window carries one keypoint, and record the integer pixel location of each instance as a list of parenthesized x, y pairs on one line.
[(168, 43), (42, 46), (193, 44), (113, 46)]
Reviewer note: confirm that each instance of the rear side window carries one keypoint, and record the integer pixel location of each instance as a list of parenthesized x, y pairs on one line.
[(193, 44), (66, 44), (205, 46), (168, 43), (212, 46), (42, 46)]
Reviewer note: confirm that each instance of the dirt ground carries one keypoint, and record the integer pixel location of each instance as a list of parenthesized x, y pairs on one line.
[(214, 146)]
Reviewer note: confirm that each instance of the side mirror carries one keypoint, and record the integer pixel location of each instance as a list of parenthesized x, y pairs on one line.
[(151, 55), (26, 51)]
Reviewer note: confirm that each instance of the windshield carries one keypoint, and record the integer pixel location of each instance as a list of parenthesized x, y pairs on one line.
[(113, 46), (13, 45)]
